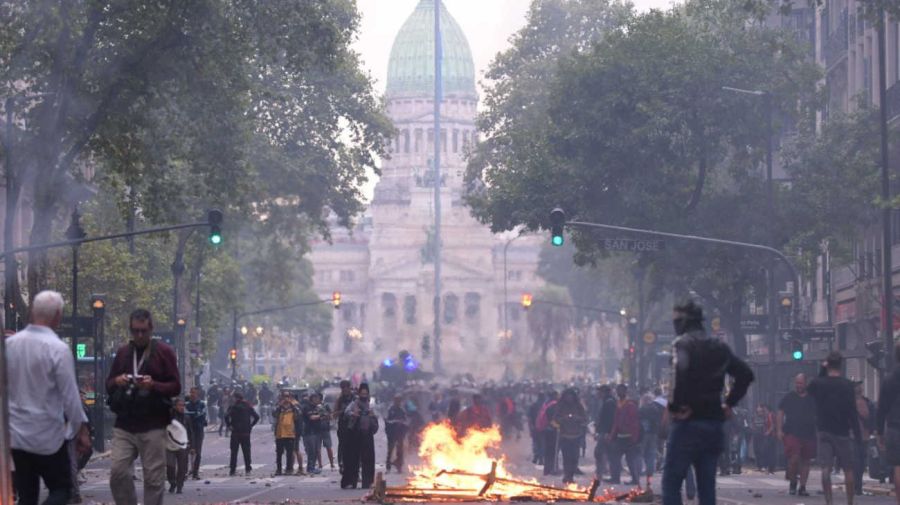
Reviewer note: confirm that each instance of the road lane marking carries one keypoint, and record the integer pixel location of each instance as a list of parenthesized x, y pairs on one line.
[(257, 493)]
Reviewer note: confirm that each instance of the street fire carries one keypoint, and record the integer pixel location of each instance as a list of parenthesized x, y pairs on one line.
[(471, 467)]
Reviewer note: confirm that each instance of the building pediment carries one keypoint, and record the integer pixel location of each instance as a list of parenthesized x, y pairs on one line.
[(410, 266)]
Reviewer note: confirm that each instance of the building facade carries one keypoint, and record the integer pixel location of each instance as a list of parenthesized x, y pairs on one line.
[(384, 267)]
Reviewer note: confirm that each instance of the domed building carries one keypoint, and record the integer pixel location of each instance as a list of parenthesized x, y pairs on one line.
[(384, 268)]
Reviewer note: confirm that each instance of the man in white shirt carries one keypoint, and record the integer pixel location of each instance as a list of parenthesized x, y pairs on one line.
[(43, 395)]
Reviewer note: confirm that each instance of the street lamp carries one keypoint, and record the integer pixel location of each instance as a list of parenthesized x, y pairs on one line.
[(259, 331), (244, 330)]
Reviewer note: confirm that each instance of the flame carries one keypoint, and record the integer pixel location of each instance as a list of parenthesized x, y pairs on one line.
[(460, 463)]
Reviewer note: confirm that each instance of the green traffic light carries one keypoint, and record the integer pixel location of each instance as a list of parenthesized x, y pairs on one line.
[(557, 240), (798, 355), (215, 239)]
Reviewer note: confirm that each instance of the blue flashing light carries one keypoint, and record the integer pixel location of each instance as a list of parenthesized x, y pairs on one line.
[(410, 365), (387, 363)]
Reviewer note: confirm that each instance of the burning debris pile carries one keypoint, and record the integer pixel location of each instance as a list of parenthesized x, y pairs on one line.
[(470, 468)]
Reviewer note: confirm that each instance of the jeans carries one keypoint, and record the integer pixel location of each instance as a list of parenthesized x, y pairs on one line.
[(311, 443), (601, 455), (395, 448), (551, 450), (697, 443), (197, 447), (176, 468), (632, 452), (241, 441), (570, 448), (537, 447), (284, 447), (53, 470), (648, 453)]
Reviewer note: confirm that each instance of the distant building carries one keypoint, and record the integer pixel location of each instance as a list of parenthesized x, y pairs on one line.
[(385, 267)]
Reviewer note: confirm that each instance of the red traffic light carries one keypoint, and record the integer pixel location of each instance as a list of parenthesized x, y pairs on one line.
[(336, 299), (232, 354)]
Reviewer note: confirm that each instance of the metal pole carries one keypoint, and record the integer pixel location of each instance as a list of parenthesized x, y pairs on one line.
[(438, 94), (234, 322), (99, 395), (5, 450), (709, 240), (887, 328), (9, 262), (771, 296), (75, 326)]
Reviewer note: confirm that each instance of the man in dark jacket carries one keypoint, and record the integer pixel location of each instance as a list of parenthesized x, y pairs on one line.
[(395, 428), (142, 379), (605, 414), (700, 364), (343, 401), (240, 419), (195, 416), (887, 422), (624, 439), (359, 453)]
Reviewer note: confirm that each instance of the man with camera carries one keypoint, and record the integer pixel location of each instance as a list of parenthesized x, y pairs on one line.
[(142, 378)]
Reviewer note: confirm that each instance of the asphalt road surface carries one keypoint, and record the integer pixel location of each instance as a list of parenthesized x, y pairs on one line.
[(215, 486)]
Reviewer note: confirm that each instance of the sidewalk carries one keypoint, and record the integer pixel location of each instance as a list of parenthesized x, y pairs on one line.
[(815, 478)]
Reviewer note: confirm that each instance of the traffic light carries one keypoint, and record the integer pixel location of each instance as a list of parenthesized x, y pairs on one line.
[(527, 300), (557, 222), (336, 299), (214, 218), (797, 350), (98, 305), (876, 351), (232, 355)]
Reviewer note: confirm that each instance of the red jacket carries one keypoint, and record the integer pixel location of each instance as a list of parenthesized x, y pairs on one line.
[(626, 421), (162, 366)]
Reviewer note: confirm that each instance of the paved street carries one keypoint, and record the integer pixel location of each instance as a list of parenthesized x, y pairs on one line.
[(216, 486)]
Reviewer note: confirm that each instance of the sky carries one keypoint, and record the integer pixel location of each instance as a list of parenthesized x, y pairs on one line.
[(488, 24)]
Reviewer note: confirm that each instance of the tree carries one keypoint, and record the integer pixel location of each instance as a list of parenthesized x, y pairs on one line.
[(550, 323), (638, 131), (260, 108)]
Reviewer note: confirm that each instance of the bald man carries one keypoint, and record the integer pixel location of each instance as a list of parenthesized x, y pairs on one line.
[(796, 428)]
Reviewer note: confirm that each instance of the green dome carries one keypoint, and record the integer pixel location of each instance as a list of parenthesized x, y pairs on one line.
[(411, 67)]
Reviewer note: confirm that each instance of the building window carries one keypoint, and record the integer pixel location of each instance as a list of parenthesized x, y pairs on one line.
[(348, 312), (389, 304), (451, 308), (405, 141), (347, 276), (473, 304), (443, 140), (409, 309), (455, 140), (465, 139), (418, 139)]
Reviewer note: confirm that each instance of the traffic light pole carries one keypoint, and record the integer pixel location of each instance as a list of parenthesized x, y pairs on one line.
[(708, 240), (5, 469)]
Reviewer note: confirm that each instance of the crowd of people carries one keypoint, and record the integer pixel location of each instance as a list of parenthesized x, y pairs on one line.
[(690, 431)]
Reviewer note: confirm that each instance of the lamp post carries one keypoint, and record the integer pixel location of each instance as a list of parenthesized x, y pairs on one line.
[(75, 233), (98, 306), (505, 290)]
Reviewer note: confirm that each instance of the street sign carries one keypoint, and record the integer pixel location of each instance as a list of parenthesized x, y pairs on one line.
[(813, 334), (80, 350), (633, 245), (649, 338), (754, 324)]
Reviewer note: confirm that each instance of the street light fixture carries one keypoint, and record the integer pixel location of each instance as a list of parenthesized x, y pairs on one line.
[(259, 331), (244, 330)]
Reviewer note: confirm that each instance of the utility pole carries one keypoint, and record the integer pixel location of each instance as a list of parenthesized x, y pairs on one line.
[(887, 328), (438, 95)]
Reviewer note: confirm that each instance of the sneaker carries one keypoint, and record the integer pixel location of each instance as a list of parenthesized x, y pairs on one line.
[(178, 490), (802, 491), (792, 489), (171, 488)]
